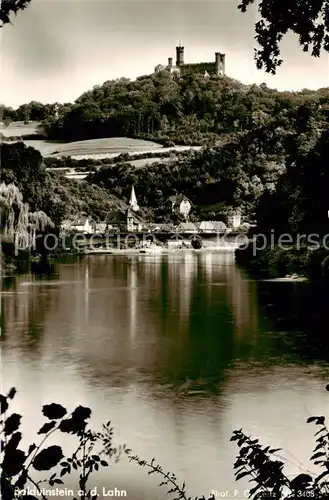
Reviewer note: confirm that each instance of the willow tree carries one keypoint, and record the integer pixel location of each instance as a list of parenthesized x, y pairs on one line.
[(38, 223), (17, 223), (13, 212)]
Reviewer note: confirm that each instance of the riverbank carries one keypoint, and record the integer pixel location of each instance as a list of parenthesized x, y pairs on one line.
[(22, 261), (285, 264), (158, 250)]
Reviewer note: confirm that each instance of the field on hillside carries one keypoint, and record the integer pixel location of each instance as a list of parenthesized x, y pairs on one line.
[(46, 148), (19, 128), (147, 161), (113, 145)]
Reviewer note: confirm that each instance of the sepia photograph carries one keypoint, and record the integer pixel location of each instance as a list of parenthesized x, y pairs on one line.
[(164, 249)]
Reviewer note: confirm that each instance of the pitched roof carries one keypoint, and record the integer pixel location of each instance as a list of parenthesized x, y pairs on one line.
[(116, 217), (80, 222), (177, 199), (219, 225), (187, 226), (206, 224), (167, 227)]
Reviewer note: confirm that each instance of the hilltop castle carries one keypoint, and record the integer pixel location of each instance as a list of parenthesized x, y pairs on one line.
[(207, 68)]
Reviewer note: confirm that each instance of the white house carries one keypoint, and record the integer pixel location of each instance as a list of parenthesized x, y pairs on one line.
[(206, 226), (66, 226), (82, 225), (234, 219), (220, 227), (100, 228), (181, 204), (186, 227)]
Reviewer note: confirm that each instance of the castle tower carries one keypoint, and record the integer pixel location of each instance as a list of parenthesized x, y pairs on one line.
[(219, 64), (133, 200), (179, 56), (169, 62)]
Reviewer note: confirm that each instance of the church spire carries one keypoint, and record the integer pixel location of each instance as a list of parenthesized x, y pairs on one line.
[(133, 200)]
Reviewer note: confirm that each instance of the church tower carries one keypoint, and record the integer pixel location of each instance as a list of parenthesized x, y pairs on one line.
[(133, 200)]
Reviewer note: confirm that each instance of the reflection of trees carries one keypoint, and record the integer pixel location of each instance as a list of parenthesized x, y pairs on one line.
[(170, 317), (302, 312), (24, 310)]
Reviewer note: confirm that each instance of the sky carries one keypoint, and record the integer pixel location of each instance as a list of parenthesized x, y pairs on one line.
[(57, 49)]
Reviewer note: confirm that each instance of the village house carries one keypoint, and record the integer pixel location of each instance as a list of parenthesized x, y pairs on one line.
[(122, 221), (206, 227), (219, 226), (234, 219), (100, 228), (187, 227), (180, 204), (116, 220), (161, 228), (83, 225)]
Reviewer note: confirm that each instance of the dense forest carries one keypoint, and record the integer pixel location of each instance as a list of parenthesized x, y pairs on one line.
[(192, 109)]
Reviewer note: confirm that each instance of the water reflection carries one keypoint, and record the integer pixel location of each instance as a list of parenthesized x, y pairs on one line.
[(176, 318), (177, 351)]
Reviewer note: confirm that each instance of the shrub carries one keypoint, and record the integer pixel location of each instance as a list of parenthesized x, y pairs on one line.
[(261, 464)]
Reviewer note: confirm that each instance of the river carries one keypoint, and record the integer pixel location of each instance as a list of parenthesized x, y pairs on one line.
[(177, 351)]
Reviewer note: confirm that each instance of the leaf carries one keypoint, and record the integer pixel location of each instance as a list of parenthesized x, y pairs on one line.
[(54, 411), (311, 419), (81, 413), (318, 455), (72, 426), (13, 462), (104, 463), (14, 441), (321, 476), (317, 420), (11, 393), (48, 458), (47, 427), (243, 474), (12, 423)]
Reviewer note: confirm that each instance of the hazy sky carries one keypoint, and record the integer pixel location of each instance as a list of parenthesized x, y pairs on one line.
[(57, 49)]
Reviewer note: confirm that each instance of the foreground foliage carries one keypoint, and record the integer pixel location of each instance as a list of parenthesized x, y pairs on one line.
[(262, 466), (95, 450), (308, 19), (9, 7)]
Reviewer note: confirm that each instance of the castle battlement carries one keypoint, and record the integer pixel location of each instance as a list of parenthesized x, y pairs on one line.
[(217, 67)]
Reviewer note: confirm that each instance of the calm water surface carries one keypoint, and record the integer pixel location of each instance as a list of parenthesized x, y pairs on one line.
[(177, 351)]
